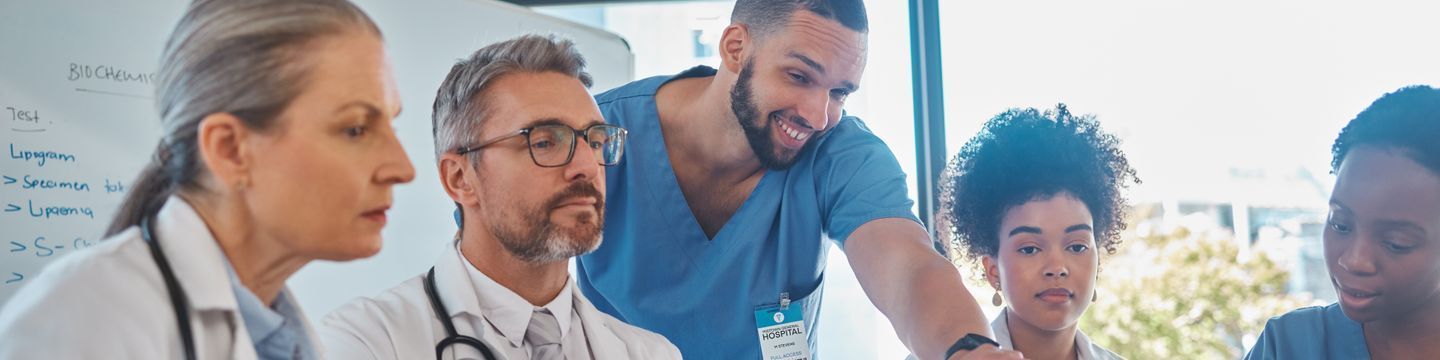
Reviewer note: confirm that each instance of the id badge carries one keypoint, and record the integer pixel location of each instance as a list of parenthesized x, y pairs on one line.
[(782, 331)]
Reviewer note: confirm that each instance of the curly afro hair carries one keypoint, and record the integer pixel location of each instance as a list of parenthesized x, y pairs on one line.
[(1407, 120), (1023, 155)]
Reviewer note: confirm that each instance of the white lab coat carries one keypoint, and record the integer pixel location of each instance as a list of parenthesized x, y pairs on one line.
[(399, 324), (110, 301)]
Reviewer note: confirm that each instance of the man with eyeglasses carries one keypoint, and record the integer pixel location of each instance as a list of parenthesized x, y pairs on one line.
[(522, 150)]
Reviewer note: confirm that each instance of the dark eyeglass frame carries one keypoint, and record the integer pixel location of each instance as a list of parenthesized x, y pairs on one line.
[(619, 135)]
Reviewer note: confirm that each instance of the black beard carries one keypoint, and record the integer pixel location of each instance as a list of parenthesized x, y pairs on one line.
[(742, 103)]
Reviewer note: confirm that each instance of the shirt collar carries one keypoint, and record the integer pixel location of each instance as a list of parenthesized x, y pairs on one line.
[(260, 321), (198, 263), (1001, 327), (1339, 326), (276, 332), (1086, 349), (510, 313), (562, 307)]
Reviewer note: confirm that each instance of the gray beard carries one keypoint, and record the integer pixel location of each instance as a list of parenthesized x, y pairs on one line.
[(546, 243)]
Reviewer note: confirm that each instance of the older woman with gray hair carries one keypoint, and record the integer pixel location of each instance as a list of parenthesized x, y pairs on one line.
[(278, 150)]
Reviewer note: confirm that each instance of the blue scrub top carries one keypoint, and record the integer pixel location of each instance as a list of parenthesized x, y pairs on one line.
[(656, 269), (1311, 333)]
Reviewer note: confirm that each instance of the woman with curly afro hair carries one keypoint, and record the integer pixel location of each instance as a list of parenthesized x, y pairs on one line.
[(1034, 198), (1382, 241)]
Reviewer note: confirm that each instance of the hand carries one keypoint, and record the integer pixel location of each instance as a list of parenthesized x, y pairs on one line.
[(989, 352)]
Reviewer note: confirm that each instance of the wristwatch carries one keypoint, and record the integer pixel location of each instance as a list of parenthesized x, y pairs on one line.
[(969, 342)]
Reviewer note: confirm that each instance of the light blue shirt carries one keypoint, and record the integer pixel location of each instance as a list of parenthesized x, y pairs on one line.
[(1314, 332), (657, 269), (276, 333)]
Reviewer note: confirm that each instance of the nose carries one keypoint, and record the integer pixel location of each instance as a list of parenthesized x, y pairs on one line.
[(814, 111), (1358, 256), (1056, 268), (585, 163), (395, 167)]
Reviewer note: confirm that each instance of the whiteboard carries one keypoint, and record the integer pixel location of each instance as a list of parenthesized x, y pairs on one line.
[(76, 97)]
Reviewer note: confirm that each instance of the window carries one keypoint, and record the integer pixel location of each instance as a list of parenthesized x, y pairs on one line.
[(1227, 109)]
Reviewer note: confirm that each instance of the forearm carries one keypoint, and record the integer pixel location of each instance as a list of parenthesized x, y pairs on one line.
[(921, 292), (935, 309)]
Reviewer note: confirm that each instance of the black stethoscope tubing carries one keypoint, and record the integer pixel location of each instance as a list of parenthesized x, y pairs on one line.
[(178, 301), (452, 338)]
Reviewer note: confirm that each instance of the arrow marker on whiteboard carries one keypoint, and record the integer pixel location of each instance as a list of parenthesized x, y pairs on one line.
[(9, 180), (18, 277), (15, 246), (12, 208)]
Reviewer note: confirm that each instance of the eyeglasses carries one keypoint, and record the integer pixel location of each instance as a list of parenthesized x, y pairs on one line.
[(554, 145)]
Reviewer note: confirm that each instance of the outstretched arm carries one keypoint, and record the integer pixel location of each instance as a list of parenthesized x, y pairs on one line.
[(920, 291)]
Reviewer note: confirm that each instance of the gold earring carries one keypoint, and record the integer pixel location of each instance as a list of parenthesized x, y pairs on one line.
[(995, 300)]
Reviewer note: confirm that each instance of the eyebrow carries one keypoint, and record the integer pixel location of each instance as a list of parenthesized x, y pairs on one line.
[(1025, 229), (807, 60), (815, 65), (1037, 231), (1404, 225), (557, 121), (1385, 223), (370, 110)]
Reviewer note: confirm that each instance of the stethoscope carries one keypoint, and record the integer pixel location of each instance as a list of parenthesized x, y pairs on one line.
[(452, 338), (178, 300)]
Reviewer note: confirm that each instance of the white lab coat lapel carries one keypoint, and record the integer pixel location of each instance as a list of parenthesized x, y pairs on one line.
[(604, 345), (456, 289), (200, 268), (457, 292)]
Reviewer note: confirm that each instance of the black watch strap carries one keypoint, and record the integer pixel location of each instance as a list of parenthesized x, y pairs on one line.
[(969, 342)]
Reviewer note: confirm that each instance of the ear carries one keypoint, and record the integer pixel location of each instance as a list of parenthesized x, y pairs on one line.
[(733, 43), (221, 143), (992, 271), (462, 187)]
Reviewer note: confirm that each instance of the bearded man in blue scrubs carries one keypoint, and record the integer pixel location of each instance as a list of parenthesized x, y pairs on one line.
[(718, 218)]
